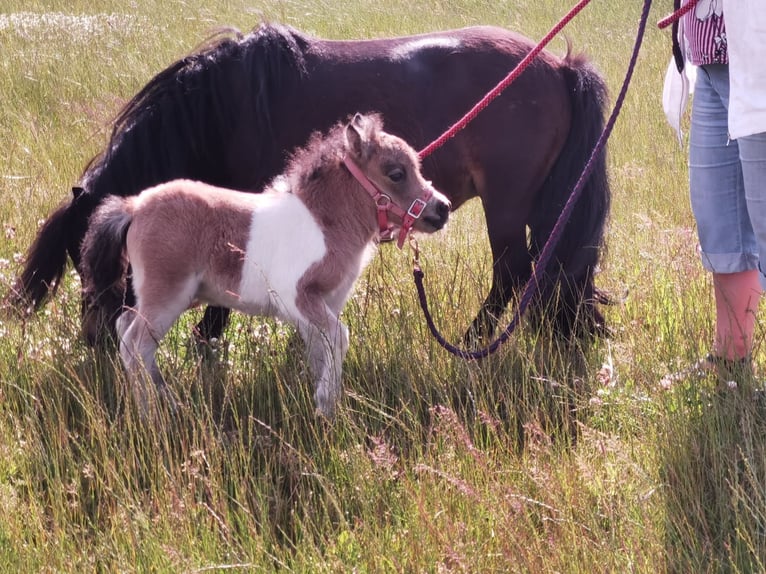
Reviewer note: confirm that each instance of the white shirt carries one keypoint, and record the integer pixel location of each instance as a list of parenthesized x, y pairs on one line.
[(746, 37)]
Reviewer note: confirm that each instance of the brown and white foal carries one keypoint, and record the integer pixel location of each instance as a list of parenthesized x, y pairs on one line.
[(293, 252)]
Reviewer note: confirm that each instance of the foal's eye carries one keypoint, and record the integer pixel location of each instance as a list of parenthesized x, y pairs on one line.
[(397, 175)]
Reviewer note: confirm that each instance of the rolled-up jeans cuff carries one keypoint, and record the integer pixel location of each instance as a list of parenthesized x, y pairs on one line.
[(729, 262)]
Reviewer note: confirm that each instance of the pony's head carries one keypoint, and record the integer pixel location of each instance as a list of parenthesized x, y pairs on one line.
[(99, 313), (389, 169)]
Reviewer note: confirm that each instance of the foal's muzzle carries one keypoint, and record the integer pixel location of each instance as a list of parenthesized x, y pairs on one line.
[(437, 211), (441, 215)]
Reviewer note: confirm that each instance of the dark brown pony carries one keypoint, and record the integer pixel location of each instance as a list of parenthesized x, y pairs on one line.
[(230, 114)]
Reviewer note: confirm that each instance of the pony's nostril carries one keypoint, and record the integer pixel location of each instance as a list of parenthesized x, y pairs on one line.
[(443, 210)]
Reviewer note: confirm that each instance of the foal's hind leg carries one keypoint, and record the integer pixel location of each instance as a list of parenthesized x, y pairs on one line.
[(137, 350), (140, 340)]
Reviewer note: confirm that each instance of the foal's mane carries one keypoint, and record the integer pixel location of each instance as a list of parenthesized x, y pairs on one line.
[(324, 151)]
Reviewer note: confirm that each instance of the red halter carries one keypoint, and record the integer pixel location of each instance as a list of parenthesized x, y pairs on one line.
[(385, 204)]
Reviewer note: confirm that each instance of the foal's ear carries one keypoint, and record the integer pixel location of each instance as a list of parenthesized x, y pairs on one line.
[(354, 135), (358, 120)]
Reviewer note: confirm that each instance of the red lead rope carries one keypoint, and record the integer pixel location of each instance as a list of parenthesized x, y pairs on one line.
[(677, 15)]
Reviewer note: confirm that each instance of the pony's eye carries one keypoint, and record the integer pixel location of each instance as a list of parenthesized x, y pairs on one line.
[(397, 175)]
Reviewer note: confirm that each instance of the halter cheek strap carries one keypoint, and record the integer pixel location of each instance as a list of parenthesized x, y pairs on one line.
[(384, 204)]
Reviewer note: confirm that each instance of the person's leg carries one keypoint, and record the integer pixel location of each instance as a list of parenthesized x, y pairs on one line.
[(727, 242), (752, 153), (736, 304), (744, 292)]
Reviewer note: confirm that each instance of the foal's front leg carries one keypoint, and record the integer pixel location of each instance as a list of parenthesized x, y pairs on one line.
[(326, 346)]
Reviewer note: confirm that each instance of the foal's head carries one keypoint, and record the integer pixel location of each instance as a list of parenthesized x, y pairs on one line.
[(389, 169)]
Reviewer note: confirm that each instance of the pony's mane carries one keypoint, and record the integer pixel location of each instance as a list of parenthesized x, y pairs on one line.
[(202, 97)]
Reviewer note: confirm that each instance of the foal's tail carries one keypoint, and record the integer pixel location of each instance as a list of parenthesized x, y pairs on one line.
[(103, 264), (579, 248)]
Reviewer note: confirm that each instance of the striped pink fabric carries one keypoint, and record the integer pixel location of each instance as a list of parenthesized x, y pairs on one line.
[(705, 34)]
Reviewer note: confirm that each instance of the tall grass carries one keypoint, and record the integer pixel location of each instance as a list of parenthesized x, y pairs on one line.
[(543, 458)]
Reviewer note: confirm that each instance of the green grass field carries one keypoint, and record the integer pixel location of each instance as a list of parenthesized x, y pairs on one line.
[(539, 459)]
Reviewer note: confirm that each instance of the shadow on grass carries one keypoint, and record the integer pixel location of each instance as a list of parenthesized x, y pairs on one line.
[(244, 465), (713, 463)]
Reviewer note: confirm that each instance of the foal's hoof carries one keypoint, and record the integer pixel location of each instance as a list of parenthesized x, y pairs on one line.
[(152, 399), (326, 408), (321, 415), (326, 412)]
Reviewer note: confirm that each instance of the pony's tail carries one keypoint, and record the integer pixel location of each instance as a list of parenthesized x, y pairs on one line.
[(45, 263), (568, 283), (103, 262)]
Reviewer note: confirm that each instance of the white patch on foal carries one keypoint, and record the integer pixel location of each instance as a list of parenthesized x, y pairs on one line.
[(275, 261)]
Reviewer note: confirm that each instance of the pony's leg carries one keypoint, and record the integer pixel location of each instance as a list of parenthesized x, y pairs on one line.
[(511, 268), (337, 300), (123, 322), (140, 340), (326, 347), (137, 350), (213, 322)]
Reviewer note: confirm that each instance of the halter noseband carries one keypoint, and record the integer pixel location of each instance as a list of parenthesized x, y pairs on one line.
[(385, 204)]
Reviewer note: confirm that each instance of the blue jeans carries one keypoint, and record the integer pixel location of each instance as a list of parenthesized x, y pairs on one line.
[(727, 179)]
